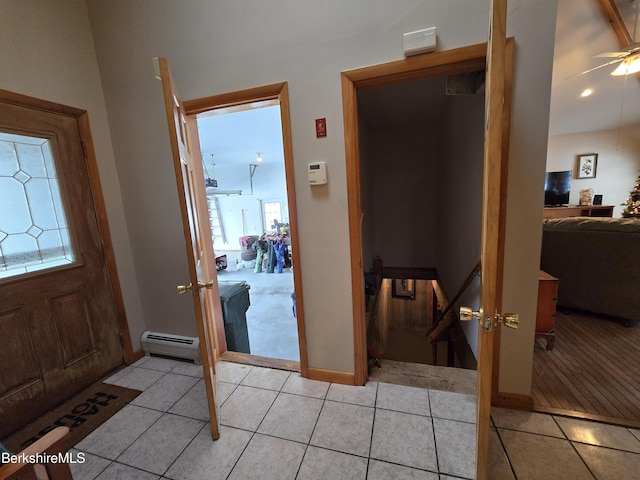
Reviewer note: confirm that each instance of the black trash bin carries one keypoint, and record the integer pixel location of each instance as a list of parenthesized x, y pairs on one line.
[(234, 297)]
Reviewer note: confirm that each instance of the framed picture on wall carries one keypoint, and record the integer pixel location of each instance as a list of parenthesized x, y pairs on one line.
[(403, 288), (587, 164)]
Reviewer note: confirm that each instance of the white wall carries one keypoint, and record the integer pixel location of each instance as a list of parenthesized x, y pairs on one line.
[(459, 194), (403, 196), (618, 162), (534, 30), (366, 193), (47, 52), (218, 46)]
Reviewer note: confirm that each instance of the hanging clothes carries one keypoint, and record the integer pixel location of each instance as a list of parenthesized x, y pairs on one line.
[(261, 246), (271, 258), (280, 249), (258, 268)]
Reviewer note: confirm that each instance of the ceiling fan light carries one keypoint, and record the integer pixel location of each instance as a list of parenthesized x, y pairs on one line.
[(629, 65)]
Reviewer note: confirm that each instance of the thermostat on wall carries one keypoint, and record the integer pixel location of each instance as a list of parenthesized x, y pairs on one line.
[(317, 173)]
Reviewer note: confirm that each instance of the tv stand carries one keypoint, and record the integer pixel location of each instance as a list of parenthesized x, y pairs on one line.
[(578, 211)]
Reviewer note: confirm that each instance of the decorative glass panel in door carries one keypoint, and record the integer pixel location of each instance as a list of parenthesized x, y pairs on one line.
[(33, 228)]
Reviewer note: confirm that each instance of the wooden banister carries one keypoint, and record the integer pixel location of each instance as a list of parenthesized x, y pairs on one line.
[(443, 322)]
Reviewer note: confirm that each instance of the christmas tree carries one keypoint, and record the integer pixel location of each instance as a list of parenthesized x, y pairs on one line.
[(632, 204)]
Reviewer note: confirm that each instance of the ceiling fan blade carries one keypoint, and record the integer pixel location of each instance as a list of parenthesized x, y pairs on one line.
[(633, 48), (611, 54), (617, 60)]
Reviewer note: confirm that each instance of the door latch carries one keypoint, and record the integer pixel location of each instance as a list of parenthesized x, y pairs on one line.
[(188, 288), (208, 284), (510, 320)]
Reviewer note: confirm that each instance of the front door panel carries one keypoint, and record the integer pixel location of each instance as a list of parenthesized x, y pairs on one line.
[(58, 321)]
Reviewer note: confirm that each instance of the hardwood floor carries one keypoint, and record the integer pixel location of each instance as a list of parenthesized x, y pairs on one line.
[(592, 372)]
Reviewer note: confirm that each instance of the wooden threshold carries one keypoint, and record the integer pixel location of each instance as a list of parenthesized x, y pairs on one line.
[(587, 416), (258, 361)]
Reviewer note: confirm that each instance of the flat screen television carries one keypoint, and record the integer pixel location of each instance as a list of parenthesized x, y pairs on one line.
[(557, 186)]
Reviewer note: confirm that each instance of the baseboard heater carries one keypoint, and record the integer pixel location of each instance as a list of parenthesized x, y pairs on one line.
[(170, 345)]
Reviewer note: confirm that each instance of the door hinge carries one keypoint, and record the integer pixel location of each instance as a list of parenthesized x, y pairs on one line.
[(84, 149)]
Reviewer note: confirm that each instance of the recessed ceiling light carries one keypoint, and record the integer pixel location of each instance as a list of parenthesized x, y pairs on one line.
[(586, 92)]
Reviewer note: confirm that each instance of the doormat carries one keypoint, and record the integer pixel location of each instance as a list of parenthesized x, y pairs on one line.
[(82, 413)]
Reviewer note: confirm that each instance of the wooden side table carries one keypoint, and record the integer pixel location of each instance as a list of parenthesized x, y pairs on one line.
[(578, 211), (546, 312)]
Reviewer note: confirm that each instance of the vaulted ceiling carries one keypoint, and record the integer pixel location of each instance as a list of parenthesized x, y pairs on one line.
[(582, 31)]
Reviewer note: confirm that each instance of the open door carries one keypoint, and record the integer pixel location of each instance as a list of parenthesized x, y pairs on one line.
[(495, 158), (203, 283)]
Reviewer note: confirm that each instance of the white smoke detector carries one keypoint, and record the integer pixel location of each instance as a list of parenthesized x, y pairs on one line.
[(420, 41)]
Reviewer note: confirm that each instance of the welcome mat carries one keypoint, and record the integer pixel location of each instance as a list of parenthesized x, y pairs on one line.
[(82, 413)]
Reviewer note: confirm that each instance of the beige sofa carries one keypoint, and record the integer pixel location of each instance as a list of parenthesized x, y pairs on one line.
[(597, 262)]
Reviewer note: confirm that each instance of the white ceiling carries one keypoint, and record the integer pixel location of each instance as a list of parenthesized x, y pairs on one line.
[(237, 137)]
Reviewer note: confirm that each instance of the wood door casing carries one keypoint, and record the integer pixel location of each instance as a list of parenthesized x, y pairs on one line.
[(276, 93), (437, 64), (460, 60), (60, 327)]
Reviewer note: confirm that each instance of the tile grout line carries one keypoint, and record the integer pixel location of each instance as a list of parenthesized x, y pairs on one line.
[(582, 459), (504, 449), (168, 413), (306, 449), (255, 431), (153, 423), (115, 460), (373, 425), (433, 430)]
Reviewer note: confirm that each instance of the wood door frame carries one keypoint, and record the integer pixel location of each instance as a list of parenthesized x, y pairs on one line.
[(437, 64), (82, 118), (280, 92)]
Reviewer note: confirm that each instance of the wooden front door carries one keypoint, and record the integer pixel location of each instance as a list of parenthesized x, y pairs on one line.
[(58, 320), (203, 282)]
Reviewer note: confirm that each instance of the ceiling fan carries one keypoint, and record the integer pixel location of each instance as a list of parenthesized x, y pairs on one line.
[(628, 59)]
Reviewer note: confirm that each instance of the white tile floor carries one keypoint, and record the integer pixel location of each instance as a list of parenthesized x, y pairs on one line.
[(277, 425)]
